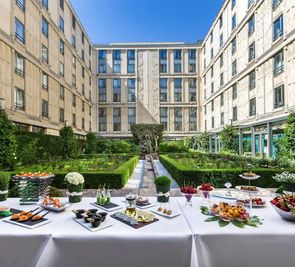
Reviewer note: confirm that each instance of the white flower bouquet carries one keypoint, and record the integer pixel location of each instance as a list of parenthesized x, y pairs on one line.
[(285, 177), (74, 178)]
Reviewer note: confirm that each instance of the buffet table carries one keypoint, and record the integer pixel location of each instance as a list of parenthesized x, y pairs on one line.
[(269, 245), (183, 241), (167, 242)]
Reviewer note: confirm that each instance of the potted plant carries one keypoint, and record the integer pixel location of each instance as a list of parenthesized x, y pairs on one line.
[(4, 184), (163, 188), (287, 179), (75, 182)]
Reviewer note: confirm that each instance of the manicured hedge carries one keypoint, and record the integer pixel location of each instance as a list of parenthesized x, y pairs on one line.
[(184, 174), (115, 179)]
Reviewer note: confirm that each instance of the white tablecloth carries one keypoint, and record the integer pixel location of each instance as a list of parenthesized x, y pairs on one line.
[(167, 242), (269, 245)]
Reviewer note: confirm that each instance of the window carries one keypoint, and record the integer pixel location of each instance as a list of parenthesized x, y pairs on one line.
[(251, 52), (220, 21), (191, 60), (252, 80), (83, 72), (278, 63), (211, 37), (20, 31), (131, 61), (74, 62), (177, 90), (61, 92), (116, 119), (116, 90), (61, 69), (163, 90), (192, 84), (275, 3), (61, 4), (221, 79), (221, 60), (212, 122), (20, 4), (279, 97), (44, 81), (252, 107), (74, 120), (221, 40), (233, 4), (222, 100), (177, 119), (73, 22), (234, 68), (177, 60), (131, 90), (235, 113), (251, 25), (82, 37), (212, 53), (45, 108), (45, 27), (234, 91), (102, 56), (131, 117), (117, 61), (222, 118), (192, 119), (73, 41), (83, 89), (102, 90), (74, 80), (163, 61), (102, 112), (61, 46), (19, 99), (19, 65), (83, 106), (74, 100), (278, 28), (83, 123), (212, 105), (212, 71), (234, 22), (61, 24), (212, 87), (44, 54), (83, 55), (234, 46), (61, 115), (45, 4), (164, 117)]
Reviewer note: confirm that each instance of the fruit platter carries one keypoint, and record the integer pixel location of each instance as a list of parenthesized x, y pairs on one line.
[(29, 219), (225, 213), (257, 202), (284, 205), (188, 192), (91, 219), (53, 204), (135, 218)]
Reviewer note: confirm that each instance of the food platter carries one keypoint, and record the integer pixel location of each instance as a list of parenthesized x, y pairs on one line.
[(173, 214), (88, 226), (29, 224), (256, 202), (109, 207), (249, 189), (52, 204)]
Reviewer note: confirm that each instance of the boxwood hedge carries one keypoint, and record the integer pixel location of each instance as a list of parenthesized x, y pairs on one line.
[(185, 174)]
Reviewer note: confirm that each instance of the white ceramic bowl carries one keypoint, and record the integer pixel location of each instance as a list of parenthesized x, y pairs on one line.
[(284, 214)]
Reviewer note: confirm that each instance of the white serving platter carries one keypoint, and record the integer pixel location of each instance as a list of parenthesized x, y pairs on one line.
[(174, 213), (88, 226), (43, 222)]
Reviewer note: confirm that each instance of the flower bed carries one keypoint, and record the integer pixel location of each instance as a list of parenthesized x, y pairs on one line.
[(184, 171)]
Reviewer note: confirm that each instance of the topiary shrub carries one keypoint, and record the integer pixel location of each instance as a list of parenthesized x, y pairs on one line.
[(172, 147), (69, 144), (7, 143), (203, 142), (91, 143)]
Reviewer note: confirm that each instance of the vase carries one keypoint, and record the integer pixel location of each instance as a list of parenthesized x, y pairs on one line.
[(163, 193), (75, 193), (289, 188), (4, 192)]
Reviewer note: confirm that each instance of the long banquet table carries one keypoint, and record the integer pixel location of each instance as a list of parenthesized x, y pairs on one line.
[(183, 241)]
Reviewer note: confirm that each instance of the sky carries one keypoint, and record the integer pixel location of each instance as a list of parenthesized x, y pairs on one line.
[(109, 21)]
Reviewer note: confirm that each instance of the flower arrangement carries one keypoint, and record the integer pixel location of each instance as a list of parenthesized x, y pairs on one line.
[(285, 177), (74, 178)]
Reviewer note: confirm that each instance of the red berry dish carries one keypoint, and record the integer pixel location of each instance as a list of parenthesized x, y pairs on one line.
[(188, 190), (206, 187)]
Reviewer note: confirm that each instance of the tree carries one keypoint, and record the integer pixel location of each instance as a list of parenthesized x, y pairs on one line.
[(203, 142), (91, 143), (69, 144), (148, 135), (289, 139), (7, 142), (229, 139)]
